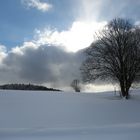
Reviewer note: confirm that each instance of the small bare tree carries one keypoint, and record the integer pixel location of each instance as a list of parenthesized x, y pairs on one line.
[(115, 55), (76, 85)]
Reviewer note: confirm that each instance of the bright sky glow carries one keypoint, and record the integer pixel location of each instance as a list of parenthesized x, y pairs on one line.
[(79, 36)]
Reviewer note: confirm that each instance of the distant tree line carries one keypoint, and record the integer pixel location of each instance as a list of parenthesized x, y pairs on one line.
[(26, 87)]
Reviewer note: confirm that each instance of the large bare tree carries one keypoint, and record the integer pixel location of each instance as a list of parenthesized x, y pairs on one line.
[(115, 55)]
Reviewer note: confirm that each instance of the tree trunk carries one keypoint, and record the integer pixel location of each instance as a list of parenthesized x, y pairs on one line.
[(127, 93), (122, 90)]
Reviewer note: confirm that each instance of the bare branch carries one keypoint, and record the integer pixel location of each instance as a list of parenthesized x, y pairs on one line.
[(115, 55)]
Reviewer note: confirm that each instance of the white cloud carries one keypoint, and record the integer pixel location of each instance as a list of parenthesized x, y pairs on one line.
[(99, 88), (81, 33), (43, 60), (38, 61), (21, 49), (89, 9), (79, 36), (3, 53), (42, 6)]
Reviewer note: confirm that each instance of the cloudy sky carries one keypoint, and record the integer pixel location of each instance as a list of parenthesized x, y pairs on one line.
[(40, 40)]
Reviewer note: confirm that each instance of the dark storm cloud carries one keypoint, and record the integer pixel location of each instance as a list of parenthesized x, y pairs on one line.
[(45, 64)]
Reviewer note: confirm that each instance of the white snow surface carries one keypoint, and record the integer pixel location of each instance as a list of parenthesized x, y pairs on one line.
[(37, 115)]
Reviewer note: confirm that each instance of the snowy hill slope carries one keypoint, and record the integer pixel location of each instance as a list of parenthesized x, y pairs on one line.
[(69, 116)]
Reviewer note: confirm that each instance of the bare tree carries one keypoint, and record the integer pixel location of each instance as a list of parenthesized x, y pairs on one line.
[(115, 55), (76, 85)]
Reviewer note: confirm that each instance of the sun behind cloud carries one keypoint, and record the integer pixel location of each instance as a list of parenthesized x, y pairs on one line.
[(79, 36)]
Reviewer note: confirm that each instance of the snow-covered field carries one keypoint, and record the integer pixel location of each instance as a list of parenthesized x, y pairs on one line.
[(32, 115)]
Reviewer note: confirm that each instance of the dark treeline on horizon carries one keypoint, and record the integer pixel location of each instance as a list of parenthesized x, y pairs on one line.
[(26, 87)]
